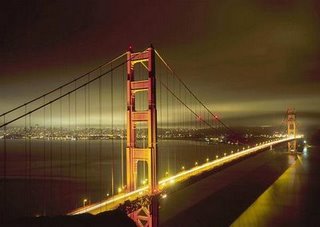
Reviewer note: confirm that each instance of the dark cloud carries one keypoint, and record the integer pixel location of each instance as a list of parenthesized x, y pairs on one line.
[(231, 52)]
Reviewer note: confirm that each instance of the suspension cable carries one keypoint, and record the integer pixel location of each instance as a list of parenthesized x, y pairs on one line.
[(62, 86)]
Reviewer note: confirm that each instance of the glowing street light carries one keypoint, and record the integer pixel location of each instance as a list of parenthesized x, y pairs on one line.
[(144, 181), (85, 202), (163, 196)]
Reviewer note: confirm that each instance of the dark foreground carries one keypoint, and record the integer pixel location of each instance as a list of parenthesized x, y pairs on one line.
[(110, 218)]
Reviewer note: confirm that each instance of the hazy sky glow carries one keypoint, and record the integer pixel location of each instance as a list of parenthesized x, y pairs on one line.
[(248, 60)]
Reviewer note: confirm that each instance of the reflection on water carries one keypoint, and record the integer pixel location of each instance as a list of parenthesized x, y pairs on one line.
[(287, 201)]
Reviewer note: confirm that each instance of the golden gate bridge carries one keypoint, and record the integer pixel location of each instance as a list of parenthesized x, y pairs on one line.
[(115, 137)]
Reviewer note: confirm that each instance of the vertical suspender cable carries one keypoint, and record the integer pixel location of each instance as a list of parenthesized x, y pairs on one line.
[(173, 114), (89, 131), (69, 145), (100, 137), (4, 199), (76, 134), (29, 159), (85, 143), (167, 125), (51, 161), (26, 179), (112, 142), (160, 132), (44, 159)]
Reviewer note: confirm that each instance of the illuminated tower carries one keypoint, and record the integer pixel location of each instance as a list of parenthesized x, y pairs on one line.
[(292, 129), (146, 216)]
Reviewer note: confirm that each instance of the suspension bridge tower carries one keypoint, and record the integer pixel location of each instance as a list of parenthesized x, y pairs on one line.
[(292, 129), (147, 215)]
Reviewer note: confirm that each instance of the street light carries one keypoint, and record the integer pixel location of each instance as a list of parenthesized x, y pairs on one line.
[(85, 202)]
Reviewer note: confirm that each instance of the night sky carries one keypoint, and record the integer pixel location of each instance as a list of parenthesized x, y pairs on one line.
[(248, 60)]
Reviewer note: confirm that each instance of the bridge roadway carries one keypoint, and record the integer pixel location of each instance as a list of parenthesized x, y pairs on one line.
[(113, 202)]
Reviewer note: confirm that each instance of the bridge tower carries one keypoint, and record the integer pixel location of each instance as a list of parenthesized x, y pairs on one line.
[(148, 214), (292, 129)]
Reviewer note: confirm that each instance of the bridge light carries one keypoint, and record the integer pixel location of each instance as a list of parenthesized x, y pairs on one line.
[(224, 154), (304, 141), (207, 159), (231, 152), (217, 156), (167, 173), (163, 196), (182, 167), (196, 163), (85, 202), (108, 194), (119, 190)]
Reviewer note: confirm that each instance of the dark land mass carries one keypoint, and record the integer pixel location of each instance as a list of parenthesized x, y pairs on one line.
[(110, 218)]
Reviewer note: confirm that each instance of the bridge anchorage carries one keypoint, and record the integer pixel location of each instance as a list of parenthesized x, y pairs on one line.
[(147, 212)]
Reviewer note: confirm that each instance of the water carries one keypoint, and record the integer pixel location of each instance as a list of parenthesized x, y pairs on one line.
[(272, 188), (55, 177)]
